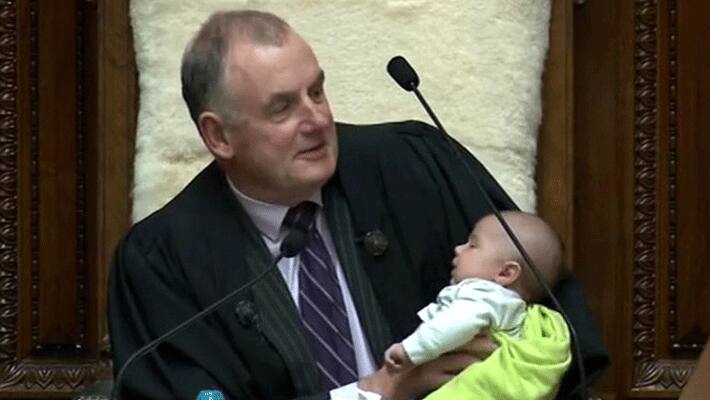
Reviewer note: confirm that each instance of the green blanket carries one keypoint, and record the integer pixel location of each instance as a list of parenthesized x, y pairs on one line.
[(530, 367)]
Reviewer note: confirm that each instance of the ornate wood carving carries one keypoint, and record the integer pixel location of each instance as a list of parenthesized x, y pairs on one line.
[(8, 183), (60, 377), (651, 372), (644, 273)]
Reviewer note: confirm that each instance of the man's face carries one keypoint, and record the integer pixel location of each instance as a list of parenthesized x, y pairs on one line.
[(284, 145), (483, 255)]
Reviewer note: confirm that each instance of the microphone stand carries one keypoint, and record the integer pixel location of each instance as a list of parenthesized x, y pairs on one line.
[(407, 78)]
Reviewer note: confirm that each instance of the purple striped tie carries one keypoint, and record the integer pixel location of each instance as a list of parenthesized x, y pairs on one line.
[(323, 314)]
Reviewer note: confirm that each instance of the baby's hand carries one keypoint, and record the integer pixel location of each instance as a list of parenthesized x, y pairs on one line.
[(396, 358)]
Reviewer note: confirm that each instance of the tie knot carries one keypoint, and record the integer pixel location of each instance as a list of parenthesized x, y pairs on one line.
[(300, 216)]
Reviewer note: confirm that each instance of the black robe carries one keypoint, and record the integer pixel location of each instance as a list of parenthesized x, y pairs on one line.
[(399, 178)]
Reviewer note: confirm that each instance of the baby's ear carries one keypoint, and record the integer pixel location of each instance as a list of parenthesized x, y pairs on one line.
[(509, 273)]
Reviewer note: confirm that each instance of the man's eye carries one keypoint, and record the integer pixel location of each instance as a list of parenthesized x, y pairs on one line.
[(279, 108)]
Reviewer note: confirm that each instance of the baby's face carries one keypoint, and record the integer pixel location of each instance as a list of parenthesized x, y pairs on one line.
[(481, 256)]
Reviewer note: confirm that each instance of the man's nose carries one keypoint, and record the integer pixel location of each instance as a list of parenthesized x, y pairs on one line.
[(316, 114)]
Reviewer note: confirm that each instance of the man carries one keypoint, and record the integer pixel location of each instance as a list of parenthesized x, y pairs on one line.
[(392, 202)]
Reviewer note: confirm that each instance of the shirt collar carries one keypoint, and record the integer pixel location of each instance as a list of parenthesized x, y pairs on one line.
[(267, 217)]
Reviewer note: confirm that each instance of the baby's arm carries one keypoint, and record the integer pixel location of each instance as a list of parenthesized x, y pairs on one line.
[(447, 330), (462, 312)]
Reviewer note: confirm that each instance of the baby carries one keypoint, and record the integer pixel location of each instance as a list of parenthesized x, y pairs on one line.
[(491, 285)]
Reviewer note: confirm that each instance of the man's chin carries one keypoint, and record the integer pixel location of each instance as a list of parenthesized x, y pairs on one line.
[(314, 178), (317, 181), (316, 171)]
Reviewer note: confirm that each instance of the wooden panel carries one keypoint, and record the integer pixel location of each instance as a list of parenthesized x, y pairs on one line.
[(650, 375), (641, 160), (602, 159), (113, 119), (55, 174), (555, 166), (66, 140), (690, 143), (669, 201)]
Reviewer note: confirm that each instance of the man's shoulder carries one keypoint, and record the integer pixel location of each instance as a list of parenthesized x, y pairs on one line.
[(184, 214), (359, 133), (373, 146)]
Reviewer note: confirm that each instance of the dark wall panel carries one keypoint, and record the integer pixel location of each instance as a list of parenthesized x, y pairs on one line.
[(691, 169)]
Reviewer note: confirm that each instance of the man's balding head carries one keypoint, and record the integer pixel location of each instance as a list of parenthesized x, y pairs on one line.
[(204, 74)]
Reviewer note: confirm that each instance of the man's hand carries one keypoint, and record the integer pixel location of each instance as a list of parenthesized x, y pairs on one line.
[(394, 385), (481, 346)]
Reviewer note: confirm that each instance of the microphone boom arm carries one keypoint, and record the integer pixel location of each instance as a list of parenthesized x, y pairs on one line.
[(152, 345)]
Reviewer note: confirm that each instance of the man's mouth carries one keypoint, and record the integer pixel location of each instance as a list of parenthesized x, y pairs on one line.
[(313, 152)]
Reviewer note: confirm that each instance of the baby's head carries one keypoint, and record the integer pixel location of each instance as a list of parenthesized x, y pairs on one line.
[(490, 254)]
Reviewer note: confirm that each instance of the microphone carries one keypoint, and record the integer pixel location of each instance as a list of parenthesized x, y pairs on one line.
[(292, 244), (402, 72)]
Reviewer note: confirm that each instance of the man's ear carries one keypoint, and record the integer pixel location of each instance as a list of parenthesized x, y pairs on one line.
[(509, 273), (215, 135)]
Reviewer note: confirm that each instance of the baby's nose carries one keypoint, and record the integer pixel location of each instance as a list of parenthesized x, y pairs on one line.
[(458, 249)]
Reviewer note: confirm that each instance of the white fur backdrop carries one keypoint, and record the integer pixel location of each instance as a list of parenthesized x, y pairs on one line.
[(480, 63)]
